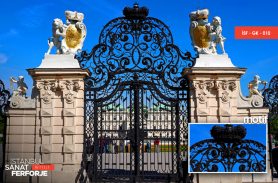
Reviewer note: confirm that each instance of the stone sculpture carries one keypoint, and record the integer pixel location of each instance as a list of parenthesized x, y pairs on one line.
[(68, 38), (205, 36), (253, 86), (19, 98), (58, 30), (21, 86), (216, 35)]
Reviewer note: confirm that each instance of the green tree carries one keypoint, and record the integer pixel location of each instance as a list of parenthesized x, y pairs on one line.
[(2, 124), (273, 126)]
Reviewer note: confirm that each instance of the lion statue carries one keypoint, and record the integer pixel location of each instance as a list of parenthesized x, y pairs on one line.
[(58, 30)]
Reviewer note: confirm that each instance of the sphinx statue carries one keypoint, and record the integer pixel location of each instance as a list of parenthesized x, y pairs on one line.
[(68, 38), (205, 36)]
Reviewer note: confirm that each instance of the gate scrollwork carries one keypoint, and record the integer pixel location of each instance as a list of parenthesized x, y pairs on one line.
[(228, 151), (134, 99), (4, 98), (142, 45)]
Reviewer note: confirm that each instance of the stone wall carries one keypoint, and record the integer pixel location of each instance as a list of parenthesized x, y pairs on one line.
[(60, 115), (50, 126), (21, 141)]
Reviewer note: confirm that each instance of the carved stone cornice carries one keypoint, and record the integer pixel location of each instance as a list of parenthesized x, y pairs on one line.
[(48, 87), (226, 85), (69, 85), (225, 88), (54, 85), (204, 87), (21, 102), (69, 89)]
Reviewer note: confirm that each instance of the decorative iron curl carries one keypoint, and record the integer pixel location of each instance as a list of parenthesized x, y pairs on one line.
[(142, 45), (211, 156), (4, 98), (271, 96)]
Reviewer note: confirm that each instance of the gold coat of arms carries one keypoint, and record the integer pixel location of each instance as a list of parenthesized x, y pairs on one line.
[(201, 36), (73, 36), (199, 30), (205, 36), (68, 38)]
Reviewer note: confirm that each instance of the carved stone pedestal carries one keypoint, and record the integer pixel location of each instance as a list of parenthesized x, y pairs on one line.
[(215, 97), (50, 130), (214, 93), (21, 142), (60, 118)]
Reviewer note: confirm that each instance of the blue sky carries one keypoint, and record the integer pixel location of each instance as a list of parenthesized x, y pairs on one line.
[(200, 132), (26, 26)]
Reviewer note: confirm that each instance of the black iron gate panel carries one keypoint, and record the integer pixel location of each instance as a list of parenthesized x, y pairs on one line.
[(4, 104), (4, 99), (135, 102), (270, 95), (136, 134)]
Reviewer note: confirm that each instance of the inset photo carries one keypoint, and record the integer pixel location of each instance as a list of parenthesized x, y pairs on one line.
[(224, 148)]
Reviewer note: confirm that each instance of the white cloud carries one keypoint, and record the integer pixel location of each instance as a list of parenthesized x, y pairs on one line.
[(3, 58), (32, 16), (104, 7), (10, 33)]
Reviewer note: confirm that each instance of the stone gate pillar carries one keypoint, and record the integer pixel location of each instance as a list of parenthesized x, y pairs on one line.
[(59, 94), (215, 97)]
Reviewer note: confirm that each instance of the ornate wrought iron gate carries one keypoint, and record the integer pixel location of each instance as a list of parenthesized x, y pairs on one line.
[(135, 102), (4, 103), (271, 100)]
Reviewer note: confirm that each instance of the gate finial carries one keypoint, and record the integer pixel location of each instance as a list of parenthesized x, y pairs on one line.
[(136, 12)]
